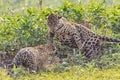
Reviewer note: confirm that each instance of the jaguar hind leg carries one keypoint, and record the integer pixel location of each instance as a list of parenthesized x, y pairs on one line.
[(93, 52)]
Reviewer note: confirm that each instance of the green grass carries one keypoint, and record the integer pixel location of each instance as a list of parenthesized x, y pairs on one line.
[(74, 74)]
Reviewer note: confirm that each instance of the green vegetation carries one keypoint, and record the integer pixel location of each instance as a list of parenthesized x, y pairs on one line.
[(76, 73), (26, 26)]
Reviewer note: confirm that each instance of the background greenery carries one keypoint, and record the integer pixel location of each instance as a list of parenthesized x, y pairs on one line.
[(23, 24)]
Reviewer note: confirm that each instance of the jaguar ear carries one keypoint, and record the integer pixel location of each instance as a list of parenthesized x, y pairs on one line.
[(59, 17)]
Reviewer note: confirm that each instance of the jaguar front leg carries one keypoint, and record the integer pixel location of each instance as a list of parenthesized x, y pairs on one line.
[(78, 41)]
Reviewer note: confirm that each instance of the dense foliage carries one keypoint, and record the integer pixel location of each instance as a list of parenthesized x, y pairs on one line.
[(29, 28)]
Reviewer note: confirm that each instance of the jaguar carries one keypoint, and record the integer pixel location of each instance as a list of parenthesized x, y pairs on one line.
[(78, 36), (33, 58)]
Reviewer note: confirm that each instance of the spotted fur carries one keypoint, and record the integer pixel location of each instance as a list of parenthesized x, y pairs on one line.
[(34, 58), (77, 36)]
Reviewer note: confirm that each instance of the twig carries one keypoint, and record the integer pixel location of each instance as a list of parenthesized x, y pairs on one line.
[(40, 3)]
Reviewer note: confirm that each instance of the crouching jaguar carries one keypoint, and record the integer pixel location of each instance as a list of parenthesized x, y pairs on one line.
[(34, 58)]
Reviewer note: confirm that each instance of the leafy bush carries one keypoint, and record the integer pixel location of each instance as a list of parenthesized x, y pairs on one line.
[(21, 30)]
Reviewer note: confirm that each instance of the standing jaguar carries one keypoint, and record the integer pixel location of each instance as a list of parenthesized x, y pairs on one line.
[(77, 36)]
